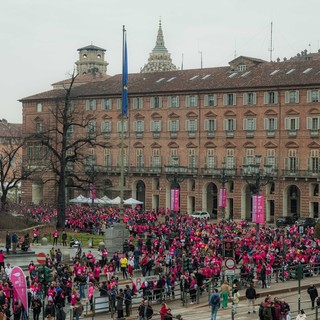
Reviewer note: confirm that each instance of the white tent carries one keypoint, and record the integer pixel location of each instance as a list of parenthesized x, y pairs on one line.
[(106, 200), (132, 201), (79, 199), (116, 200), (95, 201)]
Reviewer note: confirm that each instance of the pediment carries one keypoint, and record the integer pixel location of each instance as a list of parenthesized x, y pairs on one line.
[(270, 112), (124, 145), (314, 111), (139, 116), (229, 145), (173, 115), (249, 144), (191, 114), (270, 145), (292, 112), (106, 117), (229, 113), (210, 114), (250, 113), (291, 144), (314, 145), (156, 115), (138, 145), (191, 145), (173, 144), (210, 144), (155, 145)]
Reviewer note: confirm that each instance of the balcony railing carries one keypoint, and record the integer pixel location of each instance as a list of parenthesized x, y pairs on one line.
[(271, 133)]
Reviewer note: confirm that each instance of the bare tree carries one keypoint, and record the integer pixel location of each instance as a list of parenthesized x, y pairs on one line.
[(68, 135), (11, 170)]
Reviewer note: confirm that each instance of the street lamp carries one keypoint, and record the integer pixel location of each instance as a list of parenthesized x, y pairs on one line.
[(223, 179), (257, 178)]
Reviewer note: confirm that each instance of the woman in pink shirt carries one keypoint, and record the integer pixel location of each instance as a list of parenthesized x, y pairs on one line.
[(90, 295)]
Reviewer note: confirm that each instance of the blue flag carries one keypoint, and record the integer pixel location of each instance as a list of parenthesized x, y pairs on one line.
[(124, 76)]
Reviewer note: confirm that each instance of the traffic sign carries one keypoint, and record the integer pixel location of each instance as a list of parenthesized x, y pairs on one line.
[(230, 263), (41, 258), (229, 272)]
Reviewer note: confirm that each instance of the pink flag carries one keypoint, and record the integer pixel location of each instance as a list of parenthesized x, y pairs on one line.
[(222, 197), (19, 284)]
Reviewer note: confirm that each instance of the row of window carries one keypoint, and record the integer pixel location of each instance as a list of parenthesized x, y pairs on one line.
[(191, 125)]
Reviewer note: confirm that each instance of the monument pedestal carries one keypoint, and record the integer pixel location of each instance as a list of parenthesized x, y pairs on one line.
[(115, 237)]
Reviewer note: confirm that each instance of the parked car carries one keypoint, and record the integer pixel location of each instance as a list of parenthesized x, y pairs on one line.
[(285, 221), (201, 215), (307, 222)]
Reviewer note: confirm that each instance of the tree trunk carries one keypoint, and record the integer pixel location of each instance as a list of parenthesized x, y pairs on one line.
[(61, 215)]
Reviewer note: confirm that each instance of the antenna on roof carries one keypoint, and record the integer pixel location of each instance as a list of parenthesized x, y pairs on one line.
[(201, 62), (309, 47), (271, 48), (235, 48), (182, 62)]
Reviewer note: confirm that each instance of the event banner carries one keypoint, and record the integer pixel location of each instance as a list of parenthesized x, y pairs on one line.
[(19, 284), (258, 209), (222, 197), (175, 200)]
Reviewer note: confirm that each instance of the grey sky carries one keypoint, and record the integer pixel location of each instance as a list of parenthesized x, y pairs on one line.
[(39, 38)]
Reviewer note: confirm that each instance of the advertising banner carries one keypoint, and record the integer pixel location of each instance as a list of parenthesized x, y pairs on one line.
[(258, 209), (20, 286), (222, 197)]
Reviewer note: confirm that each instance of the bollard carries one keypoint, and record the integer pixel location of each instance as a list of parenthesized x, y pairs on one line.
[(317, 312), (44, 241)]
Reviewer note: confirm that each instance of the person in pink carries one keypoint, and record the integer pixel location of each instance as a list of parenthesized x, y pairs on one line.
[(55, 237), (74, 297), (2, 257), (90, 295)]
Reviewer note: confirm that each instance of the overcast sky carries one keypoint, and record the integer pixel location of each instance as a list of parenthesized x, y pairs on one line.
[(39, 38)]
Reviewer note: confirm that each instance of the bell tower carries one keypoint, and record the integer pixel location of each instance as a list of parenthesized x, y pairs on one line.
[(91, 60)]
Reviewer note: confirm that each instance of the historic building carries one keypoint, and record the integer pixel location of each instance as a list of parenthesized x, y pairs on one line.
[(251, 126)]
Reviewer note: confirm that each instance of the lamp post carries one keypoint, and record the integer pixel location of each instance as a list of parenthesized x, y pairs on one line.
[(257, 178), (223, 179), (175, 179)]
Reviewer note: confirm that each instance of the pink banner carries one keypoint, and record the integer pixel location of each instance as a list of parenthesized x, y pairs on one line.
[(258, 209), (222, 197), (93, 193), (175, 200), (20, 286)]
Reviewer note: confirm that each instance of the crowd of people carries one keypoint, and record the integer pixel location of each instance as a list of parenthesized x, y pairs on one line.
[(184, 253)]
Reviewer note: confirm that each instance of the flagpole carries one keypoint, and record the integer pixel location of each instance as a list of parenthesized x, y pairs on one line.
[(124, 113)]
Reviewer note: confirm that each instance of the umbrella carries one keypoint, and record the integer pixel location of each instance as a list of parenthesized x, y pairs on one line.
[(79, 199)]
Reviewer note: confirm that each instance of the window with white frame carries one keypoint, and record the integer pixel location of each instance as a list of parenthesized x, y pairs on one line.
[(192, 158), (249, 160), (119, 103), (106, 104), (125, 126), (271, 158), (173, 101), (271, 97), (39, 107), (210, 125), (270, 124), (249, 124), (70, 131), (139, 157), (91, 159), (156, 102), (174, 158), (242, 67), (156, 158), (229, 99), (210, 100), (249, 98), (125, 157), (91, 105), (313, 123), (314, 161), (210, 161), (106, 126), (173, 125), (292, 164), (292, 123), (137, 103), (230, 159), (229, 124), (155, 125), (107, 157), (91, 126), (138, 126), (191, 125), (313, 95), (192, 101), (292, 96)]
